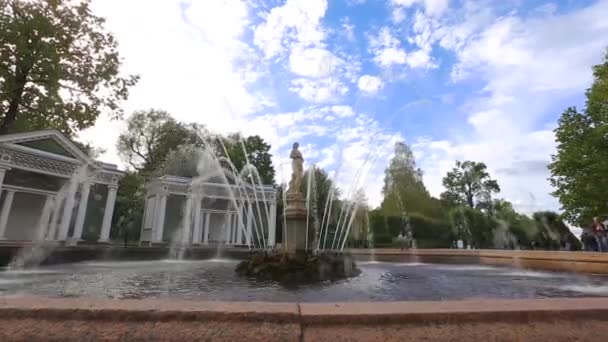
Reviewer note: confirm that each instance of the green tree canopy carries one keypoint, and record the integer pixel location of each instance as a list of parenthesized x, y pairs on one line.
[(323, 187), (59, 68), (469, 183), (403, 188), (579, 169), (151, 135), (258, 154)]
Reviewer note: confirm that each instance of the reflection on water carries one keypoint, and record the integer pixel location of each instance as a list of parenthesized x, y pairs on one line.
[(588, 289), (216, 280)]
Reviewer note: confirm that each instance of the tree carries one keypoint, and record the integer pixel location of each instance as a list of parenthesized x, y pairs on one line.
[(151, 135), (322, 188), (403, 188), (59, 68), (579, 169), (129, 207), (469, 183), (360, 226), (258, 154)]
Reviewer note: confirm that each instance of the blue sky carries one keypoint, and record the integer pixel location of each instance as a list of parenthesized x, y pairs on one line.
[(478, 80)]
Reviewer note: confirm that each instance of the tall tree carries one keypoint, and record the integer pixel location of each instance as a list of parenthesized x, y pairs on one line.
[(59, 68), (469, 183), (579, 169), (257, 154), (403, 188), (323, 187), (151, 135), (360, 226)]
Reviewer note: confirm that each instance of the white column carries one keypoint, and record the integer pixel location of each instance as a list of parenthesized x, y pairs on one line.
[(159, 222), (52, 232), (6, 210), (187, 221), (144, 221), (43, 222), (206, 229), (234, 229), (249, 235), (239, 226), (106, 224), (82, 211), (68, 208), (272, 225), (228, 225), (196, 235), (2, 173)]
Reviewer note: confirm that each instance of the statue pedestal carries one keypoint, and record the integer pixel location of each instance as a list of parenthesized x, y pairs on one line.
[(295, 230)]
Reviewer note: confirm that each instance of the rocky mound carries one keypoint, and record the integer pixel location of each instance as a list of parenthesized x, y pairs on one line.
[(298, 269)]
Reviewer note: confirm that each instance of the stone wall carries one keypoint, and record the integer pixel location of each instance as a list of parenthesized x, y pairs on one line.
[(75, 319)]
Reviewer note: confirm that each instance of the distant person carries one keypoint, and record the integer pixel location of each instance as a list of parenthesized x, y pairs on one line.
[(599, 232), (401, 239)]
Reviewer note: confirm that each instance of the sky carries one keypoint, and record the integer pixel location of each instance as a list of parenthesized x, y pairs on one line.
[(456, 80)]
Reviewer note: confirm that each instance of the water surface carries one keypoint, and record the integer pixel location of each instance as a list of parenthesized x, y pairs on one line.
[(216, 280)]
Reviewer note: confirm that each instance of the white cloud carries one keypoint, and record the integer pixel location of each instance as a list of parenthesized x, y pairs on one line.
[(386, 48), (194, 65), (431, 7), (349, 29), (398, 15), (210, 62), (297, 22), (370, 84), (319, 90), (343, 111), (313, 62), (389, 56), (523, 63), (420, 59), (354, 153)]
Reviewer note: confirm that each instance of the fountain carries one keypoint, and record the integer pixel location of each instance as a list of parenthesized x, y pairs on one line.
[(299, 261)]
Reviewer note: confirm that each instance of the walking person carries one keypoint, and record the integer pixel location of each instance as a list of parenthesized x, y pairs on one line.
[(599, 232)]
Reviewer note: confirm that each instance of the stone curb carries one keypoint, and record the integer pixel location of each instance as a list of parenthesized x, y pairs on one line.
[(371, 313), (161, 310)]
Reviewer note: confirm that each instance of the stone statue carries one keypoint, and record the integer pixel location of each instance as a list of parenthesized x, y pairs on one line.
[(297, 166)]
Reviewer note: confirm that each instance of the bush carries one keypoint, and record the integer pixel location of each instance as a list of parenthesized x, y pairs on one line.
[(553, 232), (428, 232), (431, 233)]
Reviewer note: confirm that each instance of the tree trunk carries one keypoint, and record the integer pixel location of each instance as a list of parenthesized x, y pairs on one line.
[(10, 116), (13, 108), (469, 194)]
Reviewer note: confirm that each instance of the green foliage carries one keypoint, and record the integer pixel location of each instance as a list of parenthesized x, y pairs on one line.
[(378, 228), (578, 170), (324, 186), (151, 135), (480, 226), (469, 183), (182, 162), (404, 190), (59, 68), (129, 207), (155, 144), (553, 232), (431, 233), (258, 155)]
